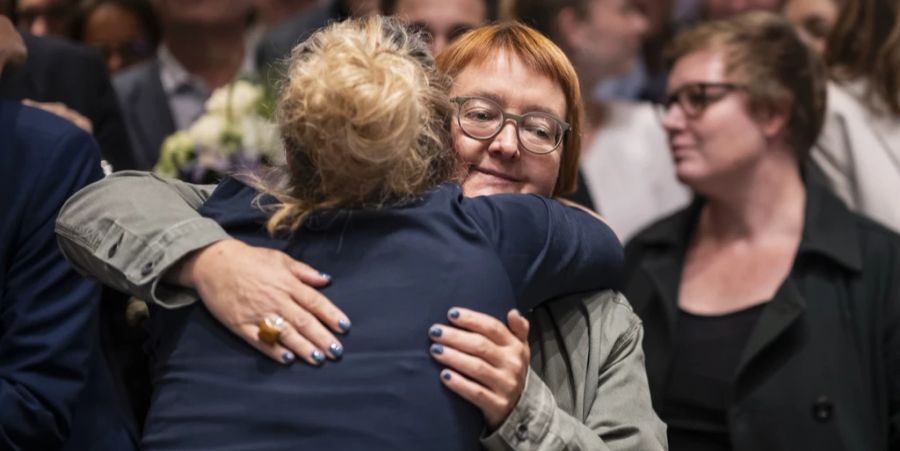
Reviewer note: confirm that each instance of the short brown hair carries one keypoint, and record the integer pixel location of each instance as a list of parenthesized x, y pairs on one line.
[(780, 72), (865, 43), (541, 55)]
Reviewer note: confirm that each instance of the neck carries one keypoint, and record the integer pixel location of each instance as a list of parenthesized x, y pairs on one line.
[(214, 55), (767, 201)]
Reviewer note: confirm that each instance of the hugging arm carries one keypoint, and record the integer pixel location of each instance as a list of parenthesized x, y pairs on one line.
[(140, 233)]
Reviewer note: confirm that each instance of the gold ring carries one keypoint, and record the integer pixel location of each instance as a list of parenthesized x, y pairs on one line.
[(270, 329)]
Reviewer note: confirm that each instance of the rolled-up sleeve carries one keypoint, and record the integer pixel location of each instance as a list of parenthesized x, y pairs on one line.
[(128, 229)]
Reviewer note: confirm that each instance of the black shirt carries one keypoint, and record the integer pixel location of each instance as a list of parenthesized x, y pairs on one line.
[(707, 350)]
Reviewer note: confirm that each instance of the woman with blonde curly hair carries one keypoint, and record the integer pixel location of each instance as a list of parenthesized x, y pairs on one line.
[(367, 193)]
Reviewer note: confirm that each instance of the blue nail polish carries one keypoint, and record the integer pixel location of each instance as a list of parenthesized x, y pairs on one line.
[(287, 357), (336, 350), (344, 325), (437, 348), (435, 331), (454, 313), (318, 356), (446, 375)]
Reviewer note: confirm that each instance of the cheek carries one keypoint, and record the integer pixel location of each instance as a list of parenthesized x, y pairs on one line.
[(542, 172)]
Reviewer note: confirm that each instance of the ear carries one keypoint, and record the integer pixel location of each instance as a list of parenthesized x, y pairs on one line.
[(569, 28), (774, 121)]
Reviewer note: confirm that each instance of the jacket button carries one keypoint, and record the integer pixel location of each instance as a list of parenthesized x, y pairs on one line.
[(823, 409), (522, 431), (147, 269)]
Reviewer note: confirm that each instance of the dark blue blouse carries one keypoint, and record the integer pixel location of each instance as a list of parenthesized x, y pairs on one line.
[(395, 272)]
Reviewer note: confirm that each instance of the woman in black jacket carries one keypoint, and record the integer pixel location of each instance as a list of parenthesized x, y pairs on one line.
[(772, 313)]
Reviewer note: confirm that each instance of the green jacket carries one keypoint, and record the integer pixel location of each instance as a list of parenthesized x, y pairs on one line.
[(586, 389)]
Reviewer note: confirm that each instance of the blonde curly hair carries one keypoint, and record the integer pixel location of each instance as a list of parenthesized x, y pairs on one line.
[(364, 117)]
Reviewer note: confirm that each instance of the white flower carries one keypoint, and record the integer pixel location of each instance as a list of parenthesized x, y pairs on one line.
[(260, 138), (207, 131), (242, 97)]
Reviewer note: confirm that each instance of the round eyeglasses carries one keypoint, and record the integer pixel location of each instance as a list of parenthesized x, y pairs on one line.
[(482, 119)]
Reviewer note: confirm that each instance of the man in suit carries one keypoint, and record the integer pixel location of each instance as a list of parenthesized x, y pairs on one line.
[(55, 390), (203, 48), (57, 71)]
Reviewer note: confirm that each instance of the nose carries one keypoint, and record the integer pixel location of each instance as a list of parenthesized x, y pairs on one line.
[(640, 23), (673, 118), (506, 143), (438, 44)]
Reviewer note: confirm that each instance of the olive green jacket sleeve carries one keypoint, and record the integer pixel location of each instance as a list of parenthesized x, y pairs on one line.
[(587, 386), (129, 228)]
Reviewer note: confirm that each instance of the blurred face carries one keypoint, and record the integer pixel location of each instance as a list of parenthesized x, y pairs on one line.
[(44, 17), (608, 40), (711, 134), (501, 164), (813, 20), (719, 9), (119, 36), (202, 13), (442, 20)]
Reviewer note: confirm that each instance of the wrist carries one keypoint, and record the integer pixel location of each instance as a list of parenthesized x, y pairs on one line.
[(188, 271)]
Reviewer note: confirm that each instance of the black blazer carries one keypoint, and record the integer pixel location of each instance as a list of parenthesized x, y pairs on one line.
[(61, 71), (821, 369), (147, 111)]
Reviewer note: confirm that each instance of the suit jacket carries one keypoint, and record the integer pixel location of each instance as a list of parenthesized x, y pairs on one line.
[(60, 71), (147, 111), (821, 369), (54, 386)]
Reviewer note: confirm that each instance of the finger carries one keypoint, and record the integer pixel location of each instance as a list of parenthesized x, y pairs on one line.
[(320, 307), (311, 329), (477, 322), (307, 274), (473, 392), (471, 343), (518, 325), (276, 352), (301, 347), (474, 368)]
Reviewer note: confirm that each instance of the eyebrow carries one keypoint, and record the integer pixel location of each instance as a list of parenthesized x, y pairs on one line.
[(502, 102)]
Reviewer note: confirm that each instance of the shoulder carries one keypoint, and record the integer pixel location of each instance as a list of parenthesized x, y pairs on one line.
[(235, 203), (135, 77), (58, 52), (41, 132), (879, 246)]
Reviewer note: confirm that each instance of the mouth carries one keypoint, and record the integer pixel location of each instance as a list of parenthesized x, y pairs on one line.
[(494, 173)]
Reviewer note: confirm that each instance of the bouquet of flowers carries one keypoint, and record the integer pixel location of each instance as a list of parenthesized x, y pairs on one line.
[(235, 133)]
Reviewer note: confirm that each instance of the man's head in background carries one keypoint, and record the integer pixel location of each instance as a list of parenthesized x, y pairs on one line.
[(442, 20), (602, 38), (43, 17)]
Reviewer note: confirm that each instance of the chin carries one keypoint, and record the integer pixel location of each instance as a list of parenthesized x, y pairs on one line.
[(483, 189)]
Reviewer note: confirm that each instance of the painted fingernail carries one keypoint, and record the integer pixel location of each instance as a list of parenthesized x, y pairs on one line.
[(344, 325), (435, 331), (437, 348), (454, 313), (445, 375), (325, 275), (317, 356), (287, 357), (336, 350)]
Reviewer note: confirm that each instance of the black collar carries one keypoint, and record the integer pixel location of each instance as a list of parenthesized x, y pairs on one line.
[(829, 228)]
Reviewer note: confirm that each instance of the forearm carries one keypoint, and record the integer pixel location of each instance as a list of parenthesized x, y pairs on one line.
[(129, 229)]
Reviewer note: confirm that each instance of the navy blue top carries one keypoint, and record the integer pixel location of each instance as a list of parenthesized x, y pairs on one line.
[(395, 272), (55, 390)]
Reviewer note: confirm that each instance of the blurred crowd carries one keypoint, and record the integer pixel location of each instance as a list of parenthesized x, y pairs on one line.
[(763, 265)]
